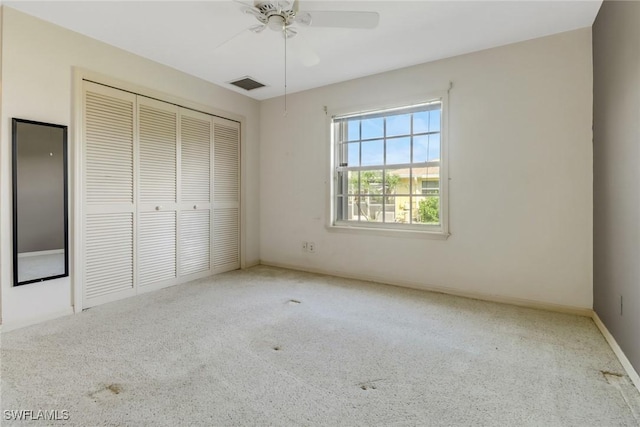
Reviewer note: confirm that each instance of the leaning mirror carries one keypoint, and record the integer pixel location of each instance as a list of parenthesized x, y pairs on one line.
[(40, 233)]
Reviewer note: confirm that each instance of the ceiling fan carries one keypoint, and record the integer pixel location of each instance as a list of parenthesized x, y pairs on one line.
[(285, 17), (282, 15)]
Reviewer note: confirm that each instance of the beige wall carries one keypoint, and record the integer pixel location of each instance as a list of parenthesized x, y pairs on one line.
[(520, 159), (37, 72)]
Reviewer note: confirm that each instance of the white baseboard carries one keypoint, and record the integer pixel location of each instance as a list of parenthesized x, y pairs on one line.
[(626, 364), (539, 305), (250, 264), (6, 327)]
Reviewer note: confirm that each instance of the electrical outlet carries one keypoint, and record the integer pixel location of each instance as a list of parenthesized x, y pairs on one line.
[(311, 247), (305, 246)]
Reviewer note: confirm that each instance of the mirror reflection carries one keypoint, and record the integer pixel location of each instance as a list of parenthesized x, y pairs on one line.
[(39, 201)]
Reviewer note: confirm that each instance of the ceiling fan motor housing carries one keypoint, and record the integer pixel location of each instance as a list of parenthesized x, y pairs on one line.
[(276, 15)]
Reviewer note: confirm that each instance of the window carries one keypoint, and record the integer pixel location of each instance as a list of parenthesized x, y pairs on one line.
[(388, 168)]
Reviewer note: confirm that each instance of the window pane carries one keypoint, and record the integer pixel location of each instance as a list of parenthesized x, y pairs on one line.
[(421, 122), (426, 148), (371, 204), (420, 148), (403, 209), (353, 203), (398, 151), (399, 125), (390, 209), (417, 176), (434, 121), (371, 182), (433, 176), (426, 210), (371, 209), (372, 153), (373, 128), (353, 130), (354, 182), (396, 181), (434, 147), (352, 154)]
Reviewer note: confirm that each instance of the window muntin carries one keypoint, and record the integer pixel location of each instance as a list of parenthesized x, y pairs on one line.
[(388, 168)]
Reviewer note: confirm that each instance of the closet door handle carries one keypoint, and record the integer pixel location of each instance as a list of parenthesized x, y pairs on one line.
[(158, 207), (195, 206)]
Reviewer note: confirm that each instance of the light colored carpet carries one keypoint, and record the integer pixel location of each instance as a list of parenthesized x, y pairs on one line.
[(268, 346)]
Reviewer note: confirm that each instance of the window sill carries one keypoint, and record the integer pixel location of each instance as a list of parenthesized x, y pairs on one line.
[(389, 232)]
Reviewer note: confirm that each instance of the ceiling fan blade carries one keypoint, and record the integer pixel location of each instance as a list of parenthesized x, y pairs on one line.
[(339, 19), (244, 3), (289, 32), (258, 28), (255, 12), (303, 52), (284, 5)]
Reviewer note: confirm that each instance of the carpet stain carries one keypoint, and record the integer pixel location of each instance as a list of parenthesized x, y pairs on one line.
[(104, 392), (627, 390), (276, 347), (369, 385), (613, 374), (114, 388), (293, 301)]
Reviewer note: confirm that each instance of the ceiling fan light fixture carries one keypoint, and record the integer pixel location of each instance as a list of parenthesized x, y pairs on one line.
[(277, 22)]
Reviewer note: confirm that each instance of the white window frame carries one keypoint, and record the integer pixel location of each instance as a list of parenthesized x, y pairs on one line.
[(440, 231)]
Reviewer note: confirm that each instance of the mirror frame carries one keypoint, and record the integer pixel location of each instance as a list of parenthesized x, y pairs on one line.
[(14, 130)]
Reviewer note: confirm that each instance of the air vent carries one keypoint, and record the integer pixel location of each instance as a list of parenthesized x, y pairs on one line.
[(247, 83)]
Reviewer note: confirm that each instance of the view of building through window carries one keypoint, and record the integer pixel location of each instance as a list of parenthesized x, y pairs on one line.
[(388, 166)]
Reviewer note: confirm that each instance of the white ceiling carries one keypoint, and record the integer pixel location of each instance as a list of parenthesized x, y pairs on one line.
[(187, 35)]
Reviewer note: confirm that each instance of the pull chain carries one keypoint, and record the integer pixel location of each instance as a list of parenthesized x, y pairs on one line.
[(284, 32)]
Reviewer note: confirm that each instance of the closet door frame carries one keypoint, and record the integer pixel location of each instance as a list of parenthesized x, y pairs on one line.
[(77, 211)]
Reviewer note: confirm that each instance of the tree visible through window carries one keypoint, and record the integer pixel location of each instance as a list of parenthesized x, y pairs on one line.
[(387, 166)]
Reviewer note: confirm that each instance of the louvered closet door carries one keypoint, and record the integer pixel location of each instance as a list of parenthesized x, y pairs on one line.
[(157, 193), (108, 211), (195, 213), (226, 195)]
